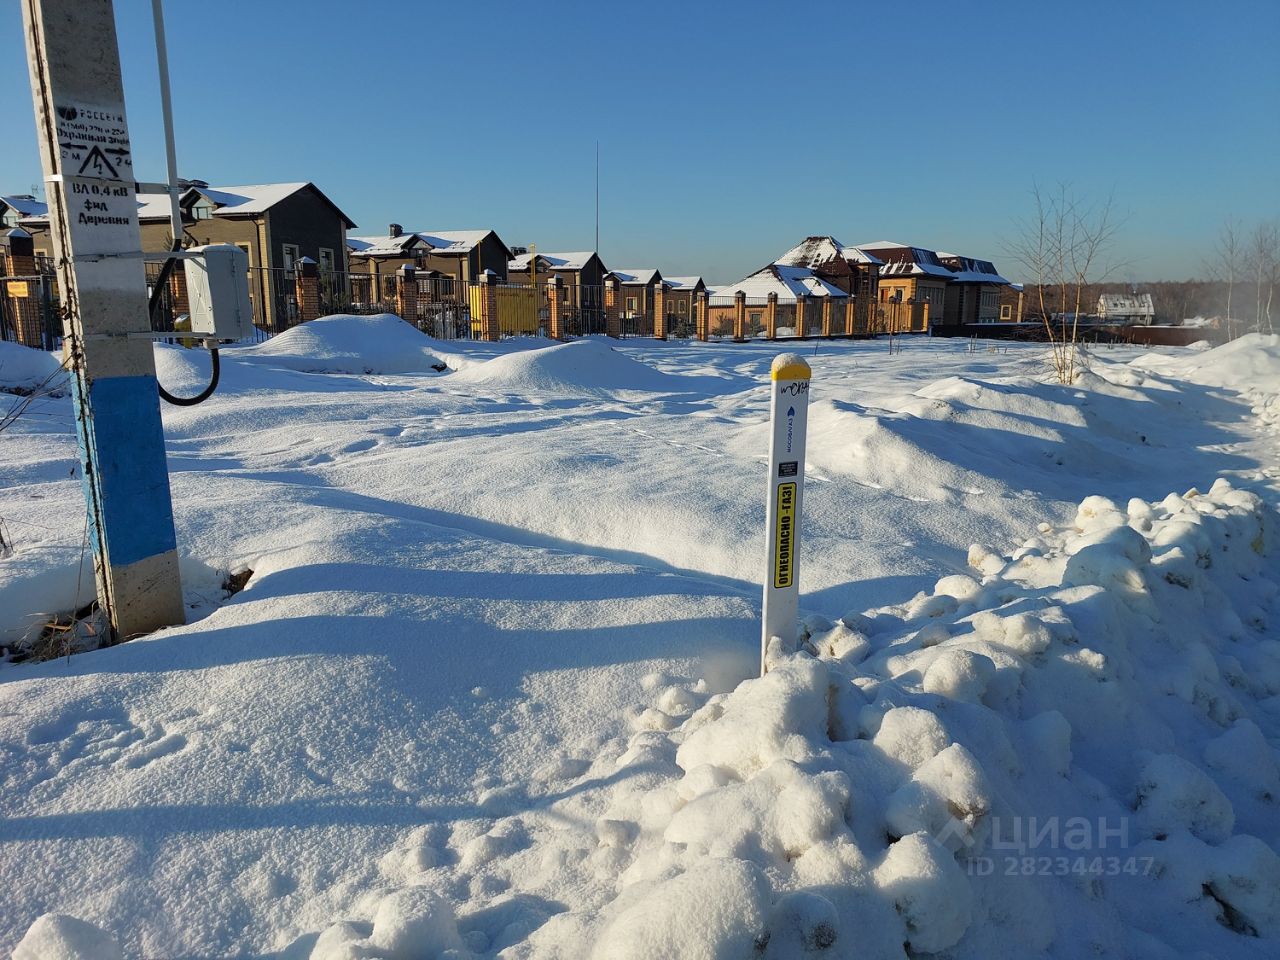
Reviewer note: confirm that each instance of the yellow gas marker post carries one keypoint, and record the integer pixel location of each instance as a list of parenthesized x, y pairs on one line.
[(788, 418)]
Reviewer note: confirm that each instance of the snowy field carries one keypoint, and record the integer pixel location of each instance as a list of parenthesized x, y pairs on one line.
[(483, 693)]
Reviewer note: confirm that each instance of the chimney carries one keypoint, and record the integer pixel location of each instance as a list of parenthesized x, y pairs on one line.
[(395, 230)]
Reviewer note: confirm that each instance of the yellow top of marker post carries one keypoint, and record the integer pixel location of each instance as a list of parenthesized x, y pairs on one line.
[(789, 366)]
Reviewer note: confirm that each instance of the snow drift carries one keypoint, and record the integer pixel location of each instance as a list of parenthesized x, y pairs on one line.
[(23, 369), (382, 343), (948, 774), (580, 368)]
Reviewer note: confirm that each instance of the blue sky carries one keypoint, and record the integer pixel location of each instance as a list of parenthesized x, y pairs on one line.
[(727, 132)]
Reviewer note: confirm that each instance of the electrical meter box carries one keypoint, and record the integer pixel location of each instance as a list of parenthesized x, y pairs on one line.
[(218, 292)]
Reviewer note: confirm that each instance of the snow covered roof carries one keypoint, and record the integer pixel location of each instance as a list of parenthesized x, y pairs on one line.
[(789, 283), (902, 260), (153, 206), (245, 200), (453, 241), (444, 242), (26, 205), (248, 199), (816, 250), (556, 261), (970, 269), (383, 246), (683, 283), (1126, 305), (635, 275)]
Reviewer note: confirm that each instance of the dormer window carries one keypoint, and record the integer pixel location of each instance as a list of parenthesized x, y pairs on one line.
[(202, 209)]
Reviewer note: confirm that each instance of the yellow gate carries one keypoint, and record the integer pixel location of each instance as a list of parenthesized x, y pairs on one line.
[(517, 310)]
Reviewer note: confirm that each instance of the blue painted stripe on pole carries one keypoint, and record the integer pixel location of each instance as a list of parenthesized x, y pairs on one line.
[(85, 443), (127, 441)]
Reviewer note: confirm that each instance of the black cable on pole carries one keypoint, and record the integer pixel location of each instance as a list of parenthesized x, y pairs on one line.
[(204, 394), (156, 292)]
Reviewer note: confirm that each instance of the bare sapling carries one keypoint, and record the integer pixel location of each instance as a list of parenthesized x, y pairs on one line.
[(1063, 246)]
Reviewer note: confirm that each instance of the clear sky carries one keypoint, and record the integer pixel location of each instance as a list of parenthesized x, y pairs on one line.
[(727, 131)]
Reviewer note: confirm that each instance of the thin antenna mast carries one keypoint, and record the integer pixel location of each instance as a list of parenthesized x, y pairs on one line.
[(597, 196)]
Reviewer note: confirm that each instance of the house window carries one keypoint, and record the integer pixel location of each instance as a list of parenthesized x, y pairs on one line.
[(289, 253), (326, 260), (1006, 311), (631, 304), (202, 209), (11, 218), (248, 252)]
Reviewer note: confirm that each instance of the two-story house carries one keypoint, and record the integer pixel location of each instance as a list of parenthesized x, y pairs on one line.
[(910, 274), (973, 295)]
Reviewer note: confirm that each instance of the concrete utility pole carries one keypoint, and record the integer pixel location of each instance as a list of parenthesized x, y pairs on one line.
[(84, 146)]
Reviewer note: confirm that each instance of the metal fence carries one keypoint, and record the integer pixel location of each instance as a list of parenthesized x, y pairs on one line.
[(29, 312), (812, 317), (449, 309), (443, 308), (582, 313)]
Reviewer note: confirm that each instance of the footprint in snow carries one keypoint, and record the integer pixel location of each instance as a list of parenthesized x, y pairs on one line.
[(104, 740)]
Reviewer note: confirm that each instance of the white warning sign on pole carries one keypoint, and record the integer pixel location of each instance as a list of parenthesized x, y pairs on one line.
[(96, 165), (93, 141), (788, 418)]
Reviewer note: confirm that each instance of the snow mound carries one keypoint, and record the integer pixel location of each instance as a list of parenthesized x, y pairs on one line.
[(1244, 362), (712, 912), (965, 788), (1249, 365), (410, 923), (382, 343), (23, 369), (56, 936), (584, 367), (958, 436)]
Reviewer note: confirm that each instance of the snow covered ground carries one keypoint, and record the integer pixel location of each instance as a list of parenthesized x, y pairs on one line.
[(483, 696)]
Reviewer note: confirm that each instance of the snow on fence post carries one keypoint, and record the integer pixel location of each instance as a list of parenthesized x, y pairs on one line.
[(490, 329), (788, 417), (306, 283), (612, 322), (555, 307), (407, 293), (660, 311)]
